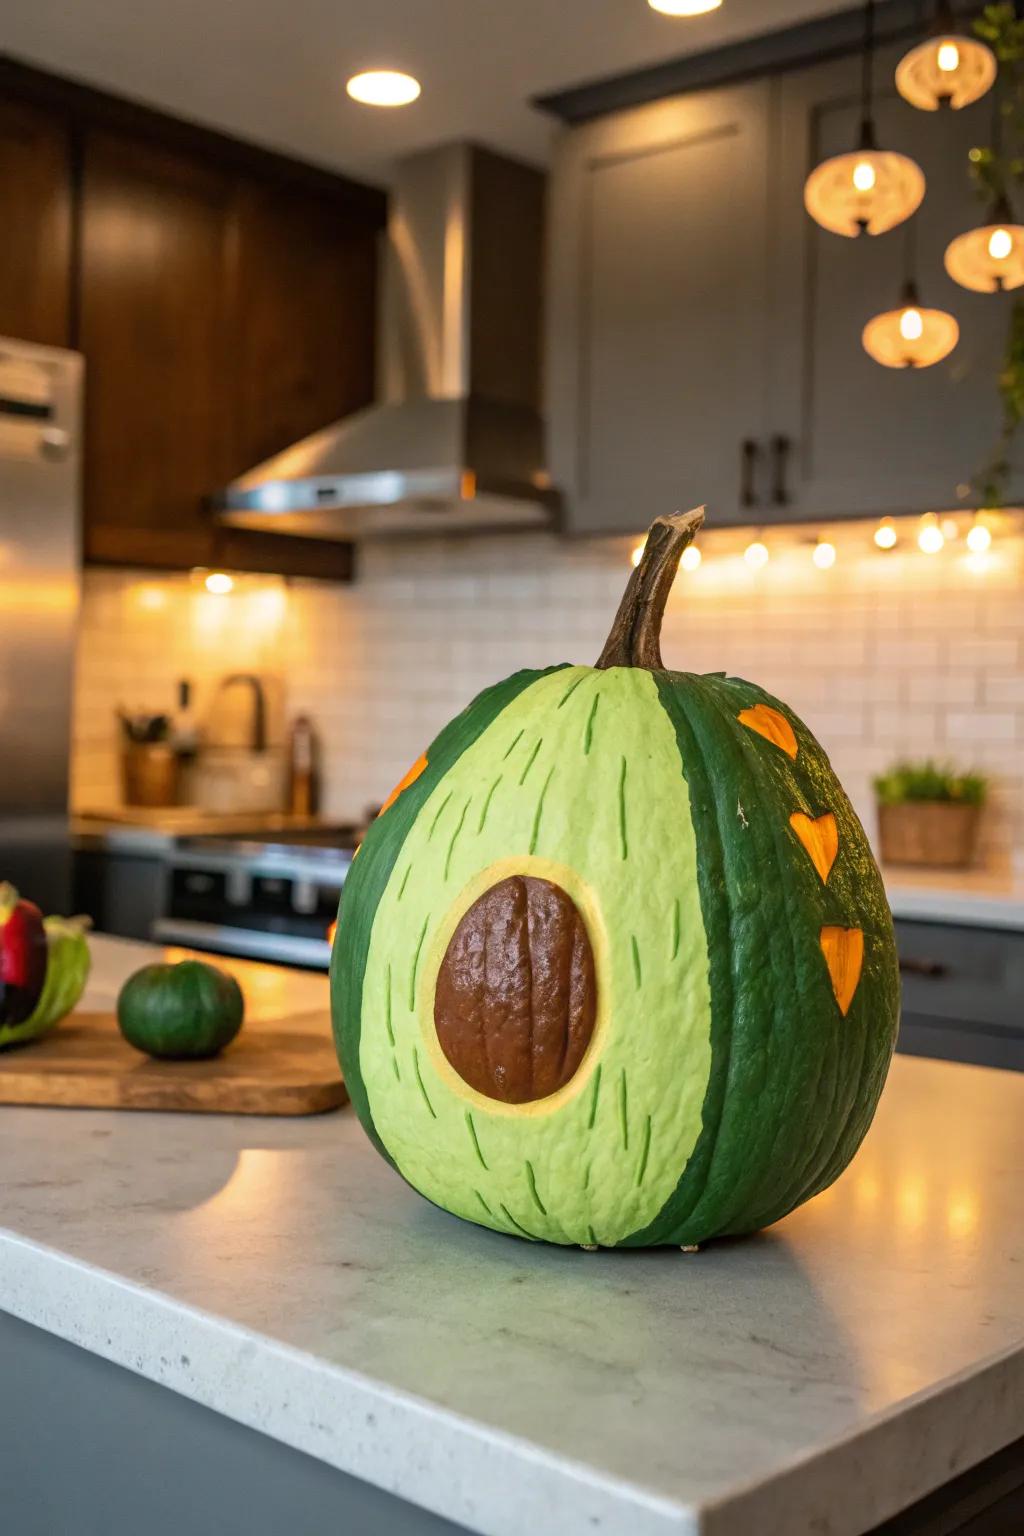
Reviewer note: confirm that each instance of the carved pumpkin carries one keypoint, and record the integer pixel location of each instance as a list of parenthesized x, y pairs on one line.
[(616, 965)]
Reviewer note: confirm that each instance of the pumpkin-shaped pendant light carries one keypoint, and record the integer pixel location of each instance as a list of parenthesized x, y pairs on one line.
[(948, 69), (990, 258), (910, 336), (869, 190)]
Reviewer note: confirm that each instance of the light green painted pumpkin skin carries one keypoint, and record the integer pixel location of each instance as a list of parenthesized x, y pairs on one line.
[(723, 1084)]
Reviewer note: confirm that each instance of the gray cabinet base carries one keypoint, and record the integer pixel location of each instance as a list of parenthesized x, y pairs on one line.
[(88, 1449)]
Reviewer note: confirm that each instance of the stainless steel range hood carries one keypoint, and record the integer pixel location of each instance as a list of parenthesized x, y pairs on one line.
[(457, 442)]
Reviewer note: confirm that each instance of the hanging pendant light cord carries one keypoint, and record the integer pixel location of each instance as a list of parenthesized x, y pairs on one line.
[(867, 126), (910, 291)]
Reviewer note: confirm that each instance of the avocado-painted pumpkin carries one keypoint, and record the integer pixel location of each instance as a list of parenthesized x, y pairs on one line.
[(180, 1012), (616, 967)]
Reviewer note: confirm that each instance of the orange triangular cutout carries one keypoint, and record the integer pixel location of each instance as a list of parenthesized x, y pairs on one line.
[(820, 837), (410, 778), (843, 949), (771, 725)]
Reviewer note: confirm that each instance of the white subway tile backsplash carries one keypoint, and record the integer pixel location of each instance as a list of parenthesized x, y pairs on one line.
[(963, 729), (1005, 688), (981, 652), (906, 651), (885, 657), (911, 731), (933, 687)]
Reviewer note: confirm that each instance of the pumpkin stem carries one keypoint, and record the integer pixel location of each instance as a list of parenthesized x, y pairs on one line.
[(634, 639)]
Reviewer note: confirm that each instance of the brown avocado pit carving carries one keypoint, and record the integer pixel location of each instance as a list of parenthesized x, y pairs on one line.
[(516, 997)]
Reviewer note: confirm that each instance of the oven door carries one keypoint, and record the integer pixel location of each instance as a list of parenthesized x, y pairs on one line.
[(268, 910), (244, 943)]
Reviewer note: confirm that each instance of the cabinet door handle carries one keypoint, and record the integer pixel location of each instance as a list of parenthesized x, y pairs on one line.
[(780, 464), (749, 453), (910, 965)]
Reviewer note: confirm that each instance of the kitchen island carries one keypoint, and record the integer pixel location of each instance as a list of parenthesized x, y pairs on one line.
[(818, 1378)]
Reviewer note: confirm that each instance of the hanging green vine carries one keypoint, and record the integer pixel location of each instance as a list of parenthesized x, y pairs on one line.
[(995, 169)]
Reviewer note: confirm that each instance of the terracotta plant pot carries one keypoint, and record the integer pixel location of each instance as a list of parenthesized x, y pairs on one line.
[(932, 833)]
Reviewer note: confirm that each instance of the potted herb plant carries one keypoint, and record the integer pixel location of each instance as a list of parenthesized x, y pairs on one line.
[(928, 814)]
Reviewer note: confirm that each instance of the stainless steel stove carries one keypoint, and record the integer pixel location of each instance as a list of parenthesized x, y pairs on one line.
[(271, 901)]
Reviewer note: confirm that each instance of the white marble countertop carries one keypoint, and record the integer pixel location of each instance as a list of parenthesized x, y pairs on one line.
[(815, 1378)]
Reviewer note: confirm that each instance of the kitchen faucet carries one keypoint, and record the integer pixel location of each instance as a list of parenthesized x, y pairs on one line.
[(258, 739)]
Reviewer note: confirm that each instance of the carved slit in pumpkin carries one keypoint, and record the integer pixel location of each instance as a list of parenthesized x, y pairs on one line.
[(820, 838), (843, 949), (516, 998), (772, 725), (410, 778)]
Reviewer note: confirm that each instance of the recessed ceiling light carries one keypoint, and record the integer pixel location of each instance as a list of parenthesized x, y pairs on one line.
[(684, 7), (383, 88)]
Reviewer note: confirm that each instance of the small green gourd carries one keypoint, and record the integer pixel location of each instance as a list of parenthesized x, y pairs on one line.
[(184, 1012)]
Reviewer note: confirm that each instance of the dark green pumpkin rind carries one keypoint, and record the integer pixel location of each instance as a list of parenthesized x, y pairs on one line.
[(182, 1012), (764, 906), (369, 874)]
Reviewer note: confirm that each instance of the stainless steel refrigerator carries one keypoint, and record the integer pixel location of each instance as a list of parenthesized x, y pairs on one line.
[(40, 565)]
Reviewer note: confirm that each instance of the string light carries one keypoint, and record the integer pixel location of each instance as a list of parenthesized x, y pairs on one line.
[(219, 583), (824, 555), (930, 539), (885, 534), (756, 555), (637, 553), (979, 537), (691, 558)]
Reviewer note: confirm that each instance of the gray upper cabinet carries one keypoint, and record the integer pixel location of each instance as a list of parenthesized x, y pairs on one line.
[(704, 335), (867, 439), (658, 307)]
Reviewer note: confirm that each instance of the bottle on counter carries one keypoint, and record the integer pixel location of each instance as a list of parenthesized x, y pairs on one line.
[(304, 768), (184, 727), (184, 739)]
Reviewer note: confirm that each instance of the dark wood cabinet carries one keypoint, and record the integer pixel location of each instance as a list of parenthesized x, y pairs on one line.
[(304, 318), (35, 217), (223, 298), (155, 327)]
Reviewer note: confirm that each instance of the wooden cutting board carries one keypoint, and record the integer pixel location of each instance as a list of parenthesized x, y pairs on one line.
[(274, 1067)]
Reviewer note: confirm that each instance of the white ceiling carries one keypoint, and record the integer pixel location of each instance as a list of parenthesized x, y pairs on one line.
[(273, 71)]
